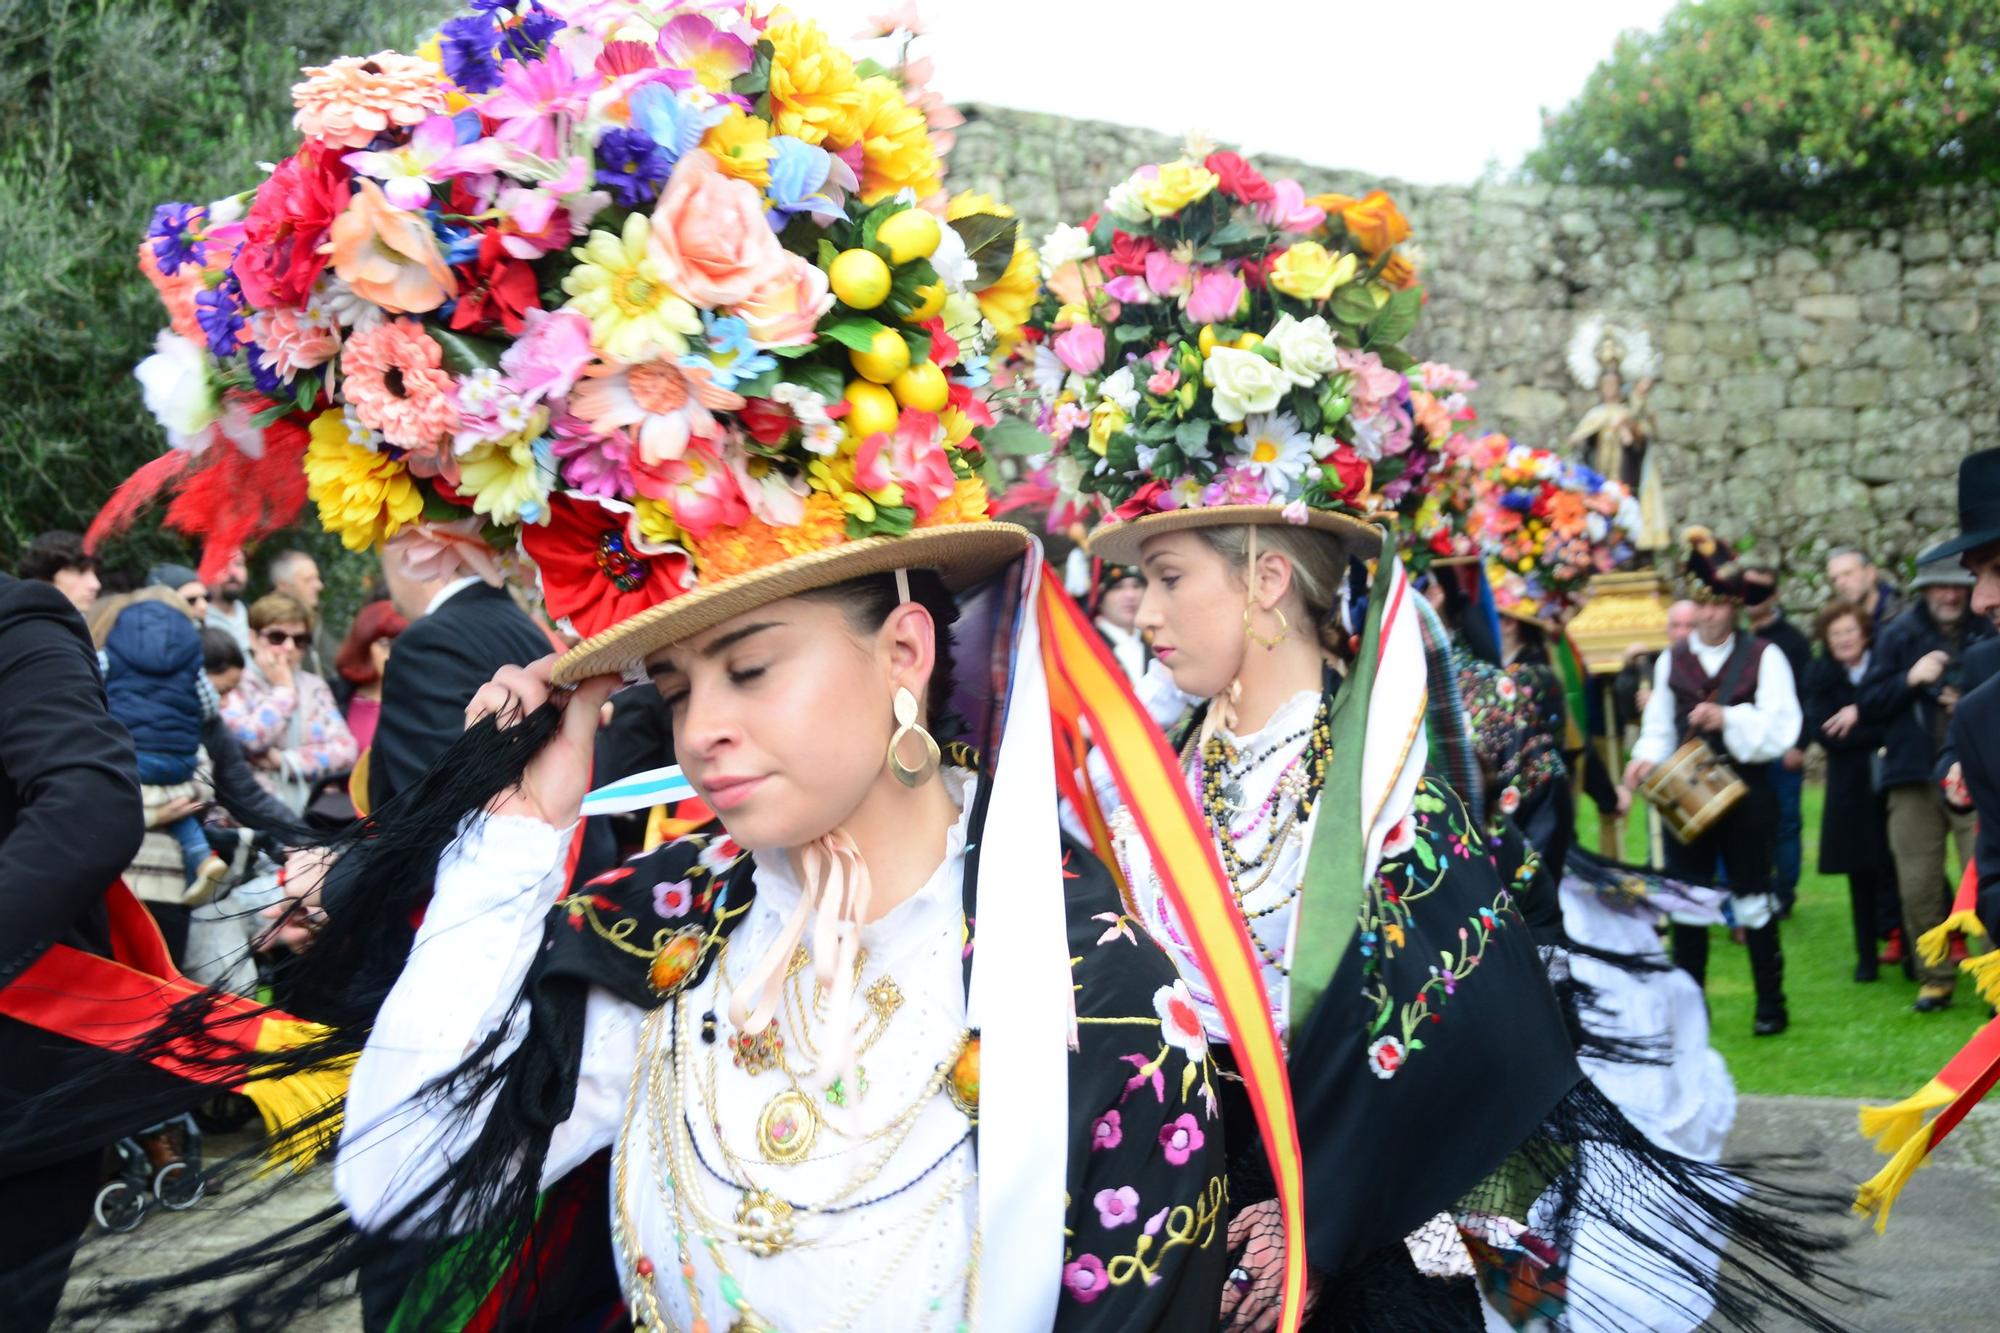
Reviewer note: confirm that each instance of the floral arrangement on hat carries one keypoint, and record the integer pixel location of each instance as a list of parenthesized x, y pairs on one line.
[(1545, 523), (655, 293), (1215, 337)]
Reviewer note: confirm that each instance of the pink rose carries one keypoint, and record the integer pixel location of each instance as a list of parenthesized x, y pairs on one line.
[(1287, 209), (1081, 348), (787, 306), (549, 355), (1129, 289), (1215, 297), (1164, 275), (1163, 382), (711, 237)]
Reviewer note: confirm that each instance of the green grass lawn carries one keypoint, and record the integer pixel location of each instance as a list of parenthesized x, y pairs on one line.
[(1846, 1040)]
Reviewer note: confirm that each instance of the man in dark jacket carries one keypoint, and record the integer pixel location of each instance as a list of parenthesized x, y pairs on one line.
[(1855, 579), (1788, 776), (462, 630), (1912, 688), (70, 822)]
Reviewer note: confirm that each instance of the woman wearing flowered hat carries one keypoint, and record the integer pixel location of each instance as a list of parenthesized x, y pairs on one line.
[(864, 1051), (1200, 367)]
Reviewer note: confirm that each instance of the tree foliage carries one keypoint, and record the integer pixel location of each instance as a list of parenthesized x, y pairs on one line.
[(1790, 104), (107, 108)]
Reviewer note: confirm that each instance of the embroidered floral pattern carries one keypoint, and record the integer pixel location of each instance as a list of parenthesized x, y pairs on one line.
[(1181, 1138), (1118, 1207), (1415, 861)]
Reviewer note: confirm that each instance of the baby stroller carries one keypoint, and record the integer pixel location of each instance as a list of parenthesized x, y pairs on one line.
[(160, 1167)]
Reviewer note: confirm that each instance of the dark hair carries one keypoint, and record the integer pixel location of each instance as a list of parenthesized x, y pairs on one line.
[(869, 601), (377, 620), (220, 651), (1836, 610), (51, 553)]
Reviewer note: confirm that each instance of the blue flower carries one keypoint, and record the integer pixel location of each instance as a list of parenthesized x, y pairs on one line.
[(731, 357), (799, 171), (631, 166), (529, 39), (466, 46), (219, 311), (267, 379), (973, 372), (172, 245), (494, 6), (674, 124)]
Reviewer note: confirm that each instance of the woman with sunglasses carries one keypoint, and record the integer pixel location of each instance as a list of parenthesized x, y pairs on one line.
[(284, 716)]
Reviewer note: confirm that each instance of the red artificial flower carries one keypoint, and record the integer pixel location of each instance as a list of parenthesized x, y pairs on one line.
[(966, 400), (591, 573), (768, 423), (1239, 180), (495, 288), (1145, 500), (1128, 254), (944, 347), (287, 223), (1257, 272), (1353, 471)]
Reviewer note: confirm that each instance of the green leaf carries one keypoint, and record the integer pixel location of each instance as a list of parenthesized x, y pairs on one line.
[(1395, 358), (463, 354), (756, 79), (855, 331), (1352, 304), (1132, 333), (1013, 436), (828, 252), (1192, 436), (760, 386), (1397, 318), (824, 380), (989, 243), (919, 343)]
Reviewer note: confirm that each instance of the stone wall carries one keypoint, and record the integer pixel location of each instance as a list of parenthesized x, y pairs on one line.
[(1819, 387)]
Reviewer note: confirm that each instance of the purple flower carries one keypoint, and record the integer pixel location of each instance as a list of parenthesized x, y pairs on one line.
[(1181, 1138), (1084, 1278), (172, 245), (494, 6), (1106, 1132), (530, 37), (265, 375), (597, 465), (1117, 1208), (466, 45), (631, 166), (219, 311)]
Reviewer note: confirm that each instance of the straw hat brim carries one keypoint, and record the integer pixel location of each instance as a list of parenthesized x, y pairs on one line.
[(961, 553), (1121, 542)]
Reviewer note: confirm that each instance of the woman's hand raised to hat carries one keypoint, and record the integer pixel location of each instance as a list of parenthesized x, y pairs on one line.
[(553, 787)]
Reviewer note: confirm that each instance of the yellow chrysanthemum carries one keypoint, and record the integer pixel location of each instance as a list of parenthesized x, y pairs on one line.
[(956, 426), (506, 481), (965, 504), (756, 544), (741, 145), (896, 151), (619, 286), (814, 94), (655, 522), (363, 497), (834, 478)]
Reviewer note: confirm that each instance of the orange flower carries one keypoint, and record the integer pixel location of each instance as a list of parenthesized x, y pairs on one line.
[(725, 552), (1566, 511), (1375, 223), (1399, 272), (353, 99), (388, 256)]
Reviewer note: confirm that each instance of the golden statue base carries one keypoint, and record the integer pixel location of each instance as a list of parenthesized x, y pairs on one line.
[(1624, 611)]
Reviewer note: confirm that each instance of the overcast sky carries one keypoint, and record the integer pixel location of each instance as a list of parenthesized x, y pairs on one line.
[(1425, 90)]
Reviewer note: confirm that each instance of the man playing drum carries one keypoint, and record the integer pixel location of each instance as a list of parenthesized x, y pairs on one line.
[(1736, 693)]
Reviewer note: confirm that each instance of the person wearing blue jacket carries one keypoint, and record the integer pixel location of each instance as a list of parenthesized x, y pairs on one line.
[(152, 678)]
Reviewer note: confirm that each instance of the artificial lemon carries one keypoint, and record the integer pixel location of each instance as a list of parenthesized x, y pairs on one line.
[(930, 303), (871, 410), (887, 357), (923, 387), (859, 278), (910, 234), (1206, 340), (1247, 341)]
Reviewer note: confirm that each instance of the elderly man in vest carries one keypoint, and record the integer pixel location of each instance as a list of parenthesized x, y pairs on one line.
[(1735, 692)]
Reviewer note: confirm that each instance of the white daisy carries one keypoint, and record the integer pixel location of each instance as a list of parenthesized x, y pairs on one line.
[(1276, 449)]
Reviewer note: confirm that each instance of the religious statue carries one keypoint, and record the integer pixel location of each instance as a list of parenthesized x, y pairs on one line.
[(1614, 437)]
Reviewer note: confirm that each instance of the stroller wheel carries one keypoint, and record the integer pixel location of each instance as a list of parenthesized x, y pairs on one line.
[(120, 1206), (177, 1186)]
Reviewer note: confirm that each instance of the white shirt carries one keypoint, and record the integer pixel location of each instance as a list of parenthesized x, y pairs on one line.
[(1127, 647), (896, 1263), (449, 591), (1858, 670), (1757, 732), (1267, 908)]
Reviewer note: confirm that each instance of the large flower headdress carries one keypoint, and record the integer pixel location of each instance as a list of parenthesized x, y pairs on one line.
[(1545, 524)]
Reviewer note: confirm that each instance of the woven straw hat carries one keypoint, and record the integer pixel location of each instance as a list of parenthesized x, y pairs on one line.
[(961, 553), (1120, 541)]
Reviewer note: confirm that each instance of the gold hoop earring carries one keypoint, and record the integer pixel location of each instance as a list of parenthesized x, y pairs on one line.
[(907, 725), (1250, 630)]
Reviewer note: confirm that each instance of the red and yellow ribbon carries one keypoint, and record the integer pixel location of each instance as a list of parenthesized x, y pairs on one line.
[(1087, 686)]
